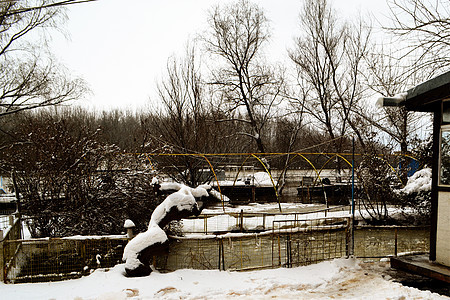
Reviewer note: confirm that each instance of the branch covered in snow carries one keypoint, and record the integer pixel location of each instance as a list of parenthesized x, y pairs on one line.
[(419, 182)]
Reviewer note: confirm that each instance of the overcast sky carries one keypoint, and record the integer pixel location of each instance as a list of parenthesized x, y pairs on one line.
[(120, 47)]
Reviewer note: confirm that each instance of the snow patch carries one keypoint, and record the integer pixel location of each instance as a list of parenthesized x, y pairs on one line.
[(144, 239), (263, 179), (200, 191), (419, 182), (129, 224), (216, 195), (155, 181), (339, 278), (166, 186), (183, 199)]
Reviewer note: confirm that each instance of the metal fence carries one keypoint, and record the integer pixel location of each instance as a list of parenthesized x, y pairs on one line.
[(287, 243), (303, 242), (375, 242), (223, 222), (57, 259)]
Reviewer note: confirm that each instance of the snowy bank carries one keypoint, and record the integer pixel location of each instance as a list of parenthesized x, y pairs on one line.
[(337, 279)]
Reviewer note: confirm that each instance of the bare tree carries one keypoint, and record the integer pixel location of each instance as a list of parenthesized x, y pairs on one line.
[(29, 77), (249, 88), (184, 123), (329, 60), (70, 183), (388, 76), (424, 26)]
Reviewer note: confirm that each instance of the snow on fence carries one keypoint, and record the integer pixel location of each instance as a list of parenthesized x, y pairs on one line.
[(287, 243), (220, 222), (10, 229), (47, 259), (51, 259)]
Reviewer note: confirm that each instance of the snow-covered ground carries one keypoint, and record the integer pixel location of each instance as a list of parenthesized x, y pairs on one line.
[(337, 279)]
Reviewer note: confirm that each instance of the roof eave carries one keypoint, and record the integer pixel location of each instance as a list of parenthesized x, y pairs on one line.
[(426, 97)]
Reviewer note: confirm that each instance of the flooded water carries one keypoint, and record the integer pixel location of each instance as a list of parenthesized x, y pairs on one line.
[(380, 242), (301, 247)]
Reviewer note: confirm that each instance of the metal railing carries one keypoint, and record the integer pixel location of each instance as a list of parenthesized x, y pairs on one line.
[(223, 222)]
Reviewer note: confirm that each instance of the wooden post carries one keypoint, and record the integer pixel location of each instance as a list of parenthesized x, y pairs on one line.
[(129, 226), (352, 237)]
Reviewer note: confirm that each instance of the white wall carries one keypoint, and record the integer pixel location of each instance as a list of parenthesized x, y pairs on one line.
[(443, 229)]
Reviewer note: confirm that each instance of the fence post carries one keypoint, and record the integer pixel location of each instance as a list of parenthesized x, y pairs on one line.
[(279, 250), (396, 240), (348, 234), (2, 259), (273, 236), (241, 221), (223, 255), (288, 251), (264, 221), (253, 193), (352, 236), (220, 252)]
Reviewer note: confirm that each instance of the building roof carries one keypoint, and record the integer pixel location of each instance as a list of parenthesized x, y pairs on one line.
[(427, 96)]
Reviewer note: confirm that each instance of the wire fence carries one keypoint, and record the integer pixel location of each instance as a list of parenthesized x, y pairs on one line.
[(220, 223), (374, 242), (288, 243), (284, 243), (58, 259)]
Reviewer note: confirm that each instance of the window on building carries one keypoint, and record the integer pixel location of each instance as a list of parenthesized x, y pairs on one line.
[(444, 173), (446, 112)]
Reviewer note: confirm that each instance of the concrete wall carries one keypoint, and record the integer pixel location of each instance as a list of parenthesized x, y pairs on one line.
[(443, 229)]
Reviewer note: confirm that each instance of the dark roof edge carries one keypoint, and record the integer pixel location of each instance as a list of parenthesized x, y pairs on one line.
[(425, 95)]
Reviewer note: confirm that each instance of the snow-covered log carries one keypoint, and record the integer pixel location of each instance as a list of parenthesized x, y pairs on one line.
[(140, 250), (178, 205)]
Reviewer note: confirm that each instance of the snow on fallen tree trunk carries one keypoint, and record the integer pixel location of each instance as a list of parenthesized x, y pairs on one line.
[(140, 250)]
